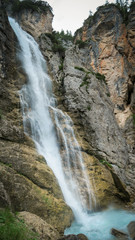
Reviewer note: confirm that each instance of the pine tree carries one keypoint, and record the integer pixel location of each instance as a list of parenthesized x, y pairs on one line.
[(90, 13)]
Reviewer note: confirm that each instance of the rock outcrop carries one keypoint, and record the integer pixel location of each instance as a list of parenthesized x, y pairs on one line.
[(86, 99), (119, 234), (110, 51), (74, 237), (38, 225), (35, 18), (131, 229), (26, 182)]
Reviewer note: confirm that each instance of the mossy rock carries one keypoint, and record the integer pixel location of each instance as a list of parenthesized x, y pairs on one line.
[(27, 184)]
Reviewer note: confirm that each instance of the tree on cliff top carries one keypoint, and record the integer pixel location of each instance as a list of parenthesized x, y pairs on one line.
[(39, 6)]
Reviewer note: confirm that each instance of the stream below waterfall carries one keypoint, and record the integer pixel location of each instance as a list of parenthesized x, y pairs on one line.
[(98, 225), (39, 114)]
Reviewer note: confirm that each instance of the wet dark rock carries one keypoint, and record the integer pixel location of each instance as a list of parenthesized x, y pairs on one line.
[(131, 229), (74, 237), (69, 237), (119, 234), (81, 237)]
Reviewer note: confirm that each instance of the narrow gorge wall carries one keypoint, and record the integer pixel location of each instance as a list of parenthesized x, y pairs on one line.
[(86, 99), (111, 52), (102, 114), (27, 184)]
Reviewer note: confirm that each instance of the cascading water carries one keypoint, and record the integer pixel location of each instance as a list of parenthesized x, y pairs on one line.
[(39, 113), (38, 105)]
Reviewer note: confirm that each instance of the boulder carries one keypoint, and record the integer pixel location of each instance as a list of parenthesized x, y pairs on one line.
[(69, 237), (131, 229), (119, 234), (38, 225), (79, 236)]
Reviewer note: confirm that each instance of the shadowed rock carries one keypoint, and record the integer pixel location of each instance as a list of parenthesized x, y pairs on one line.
[(119, 234), (74, 237), (131, 229)]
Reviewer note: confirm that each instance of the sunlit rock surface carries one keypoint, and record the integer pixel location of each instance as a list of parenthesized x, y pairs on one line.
[(38, 225), (110, 51), (36, 20)]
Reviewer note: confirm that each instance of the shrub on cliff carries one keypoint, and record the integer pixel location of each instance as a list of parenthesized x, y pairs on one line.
[(122, 5), (81, 44), (57, 43), (39, 6), (64, 36)]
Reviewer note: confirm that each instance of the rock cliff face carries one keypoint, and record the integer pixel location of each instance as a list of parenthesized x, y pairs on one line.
[(102, 113), (105, 111), (35, 23), (86, 99), (26, 182), (111, 52), (34, 18)]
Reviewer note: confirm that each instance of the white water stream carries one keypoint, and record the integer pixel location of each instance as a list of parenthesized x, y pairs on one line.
[(38, 106), (56, 141)]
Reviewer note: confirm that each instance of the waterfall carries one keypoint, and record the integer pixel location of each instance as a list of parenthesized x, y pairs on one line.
[(51, 129), (53, 134)]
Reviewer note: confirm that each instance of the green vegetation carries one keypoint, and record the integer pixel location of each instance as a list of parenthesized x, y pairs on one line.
[(60, 36), (86, 77), (80, 69), (57, 44), (122, 5), (61, 66), (104, 162), (89, 107), (59, 48), (85, 82), (99, 76), (39, 6), (108, 94), (11, 228), (64, 36), (81, 44), (57, 39)]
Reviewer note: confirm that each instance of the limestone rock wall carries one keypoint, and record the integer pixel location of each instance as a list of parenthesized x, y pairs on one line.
[(111, 52), (26, 182), (103, 113), (35, 20), (87, 101), (35, 23)]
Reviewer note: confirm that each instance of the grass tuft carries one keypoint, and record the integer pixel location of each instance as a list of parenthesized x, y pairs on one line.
[(13, 229)]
